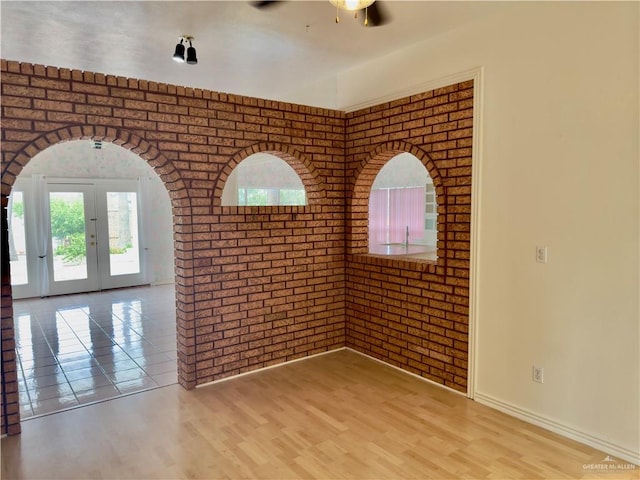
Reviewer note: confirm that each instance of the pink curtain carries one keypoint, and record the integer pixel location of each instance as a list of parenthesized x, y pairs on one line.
[(406, 209), (392, 211), (378, 217)]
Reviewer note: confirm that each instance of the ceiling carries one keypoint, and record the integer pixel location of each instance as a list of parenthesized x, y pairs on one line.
[(268, 53)]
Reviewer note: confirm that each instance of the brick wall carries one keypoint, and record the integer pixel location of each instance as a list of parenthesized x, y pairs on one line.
[(413, 314), (260, 286), (248, 293), (9, 407)]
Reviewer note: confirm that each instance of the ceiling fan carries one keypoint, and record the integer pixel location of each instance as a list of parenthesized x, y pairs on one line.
[(370, 12)]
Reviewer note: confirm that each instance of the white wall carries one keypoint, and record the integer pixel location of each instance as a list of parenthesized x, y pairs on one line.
[(560, 167), (78, 159)]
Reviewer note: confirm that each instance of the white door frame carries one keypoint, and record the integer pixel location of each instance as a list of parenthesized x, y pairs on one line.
[(36, 287)]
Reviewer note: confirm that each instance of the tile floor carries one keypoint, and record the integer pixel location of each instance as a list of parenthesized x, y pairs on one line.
[(78, 349)]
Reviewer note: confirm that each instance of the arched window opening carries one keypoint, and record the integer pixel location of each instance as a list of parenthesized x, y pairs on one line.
[(403, 210), (263, 179)]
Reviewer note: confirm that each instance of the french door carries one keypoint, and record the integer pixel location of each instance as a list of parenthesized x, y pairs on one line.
[(73, 236), (72, 264)]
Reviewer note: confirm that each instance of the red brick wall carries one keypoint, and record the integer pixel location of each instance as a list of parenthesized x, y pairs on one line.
[(260, 286), (248, 292), (270, 286), (411, 313)]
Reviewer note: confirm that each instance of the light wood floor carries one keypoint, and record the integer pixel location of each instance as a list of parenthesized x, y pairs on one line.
[(339, 415)]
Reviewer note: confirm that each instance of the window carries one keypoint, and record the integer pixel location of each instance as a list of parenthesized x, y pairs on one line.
[(262, 180), (403, 210), (17, 239), (270, 196), (431, 215)]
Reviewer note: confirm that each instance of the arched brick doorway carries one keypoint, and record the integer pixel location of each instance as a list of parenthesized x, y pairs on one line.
[(181, 208)]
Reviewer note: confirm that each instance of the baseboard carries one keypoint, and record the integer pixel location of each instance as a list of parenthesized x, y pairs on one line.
[(518, 412), (559, 428), (406, 372), (258, 370)]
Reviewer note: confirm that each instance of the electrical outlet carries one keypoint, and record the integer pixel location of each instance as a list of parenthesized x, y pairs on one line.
[(538, 374), (541, 254)]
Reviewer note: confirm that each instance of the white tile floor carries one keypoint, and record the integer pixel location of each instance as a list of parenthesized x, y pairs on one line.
[(78, 349)]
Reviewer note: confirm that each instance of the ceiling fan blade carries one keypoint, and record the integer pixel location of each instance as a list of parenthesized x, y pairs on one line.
[(376, 15), (265, 3)]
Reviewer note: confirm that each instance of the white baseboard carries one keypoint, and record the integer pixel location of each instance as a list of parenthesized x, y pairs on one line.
[(515, 411), (406, 372), (214, 382), (258, 370), (559, 428)]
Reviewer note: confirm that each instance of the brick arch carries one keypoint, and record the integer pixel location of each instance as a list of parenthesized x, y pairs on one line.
[(182, 224), (365, 175), (165, 170), (296, 160)]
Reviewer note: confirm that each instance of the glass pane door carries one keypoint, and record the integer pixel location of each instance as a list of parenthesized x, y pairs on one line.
[(68, 236), (119, 250), (23, 255), (75, 236), (72, 260), (124, 253), (17, 239)]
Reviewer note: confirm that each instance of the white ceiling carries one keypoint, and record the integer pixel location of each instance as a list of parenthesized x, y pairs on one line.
[(270, 53)]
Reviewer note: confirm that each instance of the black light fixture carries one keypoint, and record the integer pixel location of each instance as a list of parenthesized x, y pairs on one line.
[(191, 54), (178, 55)]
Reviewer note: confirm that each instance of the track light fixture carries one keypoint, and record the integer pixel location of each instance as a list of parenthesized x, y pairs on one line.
[(178, 55), (191, 54)]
